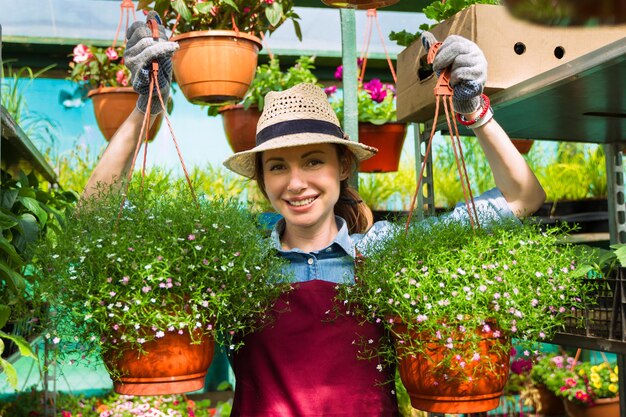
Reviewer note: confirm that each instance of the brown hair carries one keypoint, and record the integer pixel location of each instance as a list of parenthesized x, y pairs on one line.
[(350, 206)]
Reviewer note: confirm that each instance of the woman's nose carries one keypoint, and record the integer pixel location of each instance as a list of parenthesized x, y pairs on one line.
[(296, 182)]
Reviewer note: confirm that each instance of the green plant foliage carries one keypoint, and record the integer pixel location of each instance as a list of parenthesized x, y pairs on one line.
[(162, 264), (252, 16), (99, 67), (27, 213), (31, 403), (444, 280)]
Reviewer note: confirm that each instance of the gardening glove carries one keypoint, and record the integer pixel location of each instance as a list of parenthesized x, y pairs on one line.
[(141, 50), (468, 72)]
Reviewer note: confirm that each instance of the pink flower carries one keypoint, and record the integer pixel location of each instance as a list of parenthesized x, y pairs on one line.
[(330, 90), (112, 53), (81, 53), (270, 2), (246, 10), (66, 414), (376, 90), (191, 237), (339, 72), (120, 77)]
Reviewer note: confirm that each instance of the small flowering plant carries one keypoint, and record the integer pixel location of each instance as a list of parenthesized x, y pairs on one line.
[(586, 383), (376, 100), (166, 265), (252, 16), (98, 67), (453, 285)]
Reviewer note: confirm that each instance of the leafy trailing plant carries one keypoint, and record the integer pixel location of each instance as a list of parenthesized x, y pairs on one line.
[(270, 77), (167, 264), (98, 67), (27, 213), (437, 11), (452, 284), (252, 16)]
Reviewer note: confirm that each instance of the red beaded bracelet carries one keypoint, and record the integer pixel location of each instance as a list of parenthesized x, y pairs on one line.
[(486, 105)]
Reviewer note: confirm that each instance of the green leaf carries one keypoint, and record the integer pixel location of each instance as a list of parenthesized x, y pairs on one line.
[(10, 372), (297, 29), (7, 220), (274, 13), (232, 4), (29, 230), (620, 252), (21, 343), (8, 198), (7, 249), (5, 312), (181, 8), (14, 280), (33, 206)]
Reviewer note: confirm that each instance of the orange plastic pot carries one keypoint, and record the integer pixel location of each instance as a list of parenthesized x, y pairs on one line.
[(388, 139), (604, 407), (523, 145), (170, 365), (240, 126), (360, 4), (475, 388), (215, 66), (113, 105)]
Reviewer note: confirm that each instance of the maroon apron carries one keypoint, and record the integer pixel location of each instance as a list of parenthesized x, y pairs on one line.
[(305, 363)]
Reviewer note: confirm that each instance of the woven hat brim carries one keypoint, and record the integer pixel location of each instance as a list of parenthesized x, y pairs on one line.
[(243, 163)]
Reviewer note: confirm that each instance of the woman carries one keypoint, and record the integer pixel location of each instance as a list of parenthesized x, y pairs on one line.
[(305, 364)]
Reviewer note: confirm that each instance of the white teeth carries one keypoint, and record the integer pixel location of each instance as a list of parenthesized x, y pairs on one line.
[(302, 202)]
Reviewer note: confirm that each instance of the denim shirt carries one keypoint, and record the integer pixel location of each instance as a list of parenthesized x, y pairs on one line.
[(335, 263)]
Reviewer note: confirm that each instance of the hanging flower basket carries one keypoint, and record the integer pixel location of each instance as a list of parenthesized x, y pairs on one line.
[(388, 139), (473, 385), (170, 365), (215, 66), (603, 407), (240, 126), (113, 105), (360, 4)]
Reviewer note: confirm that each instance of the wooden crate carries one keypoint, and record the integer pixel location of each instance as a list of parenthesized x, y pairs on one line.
[(515, 50)]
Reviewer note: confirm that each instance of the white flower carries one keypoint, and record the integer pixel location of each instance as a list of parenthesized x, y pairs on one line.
[(379, 367)]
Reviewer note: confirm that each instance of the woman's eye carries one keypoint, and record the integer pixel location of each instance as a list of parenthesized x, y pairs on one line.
[(314, 162), (276, 167)]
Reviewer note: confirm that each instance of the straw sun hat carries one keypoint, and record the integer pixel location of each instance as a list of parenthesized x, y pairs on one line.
[(298, 116)]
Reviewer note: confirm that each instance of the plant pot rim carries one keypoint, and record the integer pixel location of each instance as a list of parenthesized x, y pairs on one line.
[(104, 90), (236, 107), (217, 33), (387, 123)]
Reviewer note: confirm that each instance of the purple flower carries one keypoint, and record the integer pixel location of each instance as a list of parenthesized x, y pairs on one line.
[(521, 365), (376, 90)]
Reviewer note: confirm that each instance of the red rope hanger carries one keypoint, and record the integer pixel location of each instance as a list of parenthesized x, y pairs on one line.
[(444, 92)]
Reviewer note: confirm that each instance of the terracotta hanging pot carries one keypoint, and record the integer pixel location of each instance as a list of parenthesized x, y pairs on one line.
[(240, 126), (113, 105), (170, 365), (360, 4), (548, 403), (215, 66), (473, 389), (388, 139), (523, 145), (604, 407)]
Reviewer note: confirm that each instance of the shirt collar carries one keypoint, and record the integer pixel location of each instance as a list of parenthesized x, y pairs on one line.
[(343, 238)]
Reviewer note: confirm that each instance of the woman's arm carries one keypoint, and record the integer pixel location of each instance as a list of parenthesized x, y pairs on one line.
[(511, 173)]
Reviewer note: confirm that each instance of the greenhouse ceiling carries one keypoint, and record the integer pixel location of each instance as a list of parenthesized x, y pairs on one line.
[(41, 32)]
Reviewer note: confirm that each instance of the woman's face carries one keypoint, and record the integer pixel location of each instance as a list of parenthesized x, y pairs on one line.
[(302, 183)]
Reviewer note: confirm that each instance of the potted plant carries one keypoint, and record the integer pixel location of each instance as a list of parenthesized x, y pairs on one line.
[(453, 297), (545, 377), (219, 42), (377, 122), (360, 4), (590, 390), (102, 72), (150, 287), (240, 120)]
